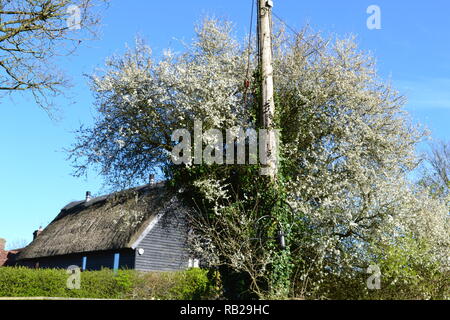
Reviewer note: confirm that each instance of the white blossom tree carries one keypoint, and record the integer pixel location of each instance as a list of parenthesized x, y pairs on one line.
[(347, 144)]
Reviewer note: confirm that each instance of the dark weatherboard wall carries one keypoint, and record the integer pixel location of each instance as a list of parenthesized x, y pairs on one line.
[(165, 246), (124, 259)]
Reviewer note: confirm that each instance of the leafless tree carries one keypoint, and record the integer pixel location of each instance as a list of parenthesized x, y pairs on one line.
[(437, 175), (17, 244), (233, 239), (33, 33)]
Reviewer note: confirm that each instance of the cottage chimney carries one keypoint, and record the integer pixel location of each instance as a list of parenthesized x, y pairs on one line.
[(88, 196), (2, 244), (37, 233), (151, 179)]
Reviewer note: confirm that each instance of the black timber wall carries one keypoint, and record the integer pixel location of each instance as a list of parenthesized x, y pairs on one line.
[(94, 261), (165, 246)]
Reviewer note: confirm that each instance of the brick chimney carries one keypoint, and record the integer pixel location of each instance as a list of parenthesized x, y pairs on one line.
[(2, 244), (37, 233)]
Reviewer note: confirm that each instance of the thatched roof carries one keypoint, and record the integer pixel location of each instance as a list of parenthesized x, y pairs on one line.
[(110, 222)]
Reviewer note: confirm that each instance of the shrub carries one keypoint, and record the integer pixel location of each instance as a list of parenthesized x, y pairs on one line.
[(193, 284), (23, 282), (106, 284), (408, 272)]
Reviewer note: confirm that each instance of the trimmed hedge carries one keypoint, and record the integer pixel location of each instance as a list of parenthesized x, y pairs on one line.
[(105, 284), (193, 284)]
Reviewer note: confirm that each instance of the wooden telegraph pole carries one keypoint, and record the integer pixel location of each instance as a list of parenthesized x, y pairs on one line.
[(267, 106)]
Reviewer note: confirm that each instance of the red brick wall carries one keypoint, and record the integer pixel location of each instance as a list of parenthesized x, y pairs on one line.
[(3, 257)]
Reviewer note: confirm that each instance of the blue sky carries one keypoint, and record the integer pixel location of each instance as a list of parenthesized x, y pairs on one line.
[(412, 49)]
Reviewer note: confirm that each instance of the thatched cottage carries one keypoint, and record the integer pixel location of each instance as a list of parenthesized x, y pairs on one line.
[(142, 228)]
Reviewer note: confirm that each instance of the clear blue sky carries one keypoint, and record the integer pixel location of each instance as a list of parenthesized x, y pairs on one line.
[(412, 48)]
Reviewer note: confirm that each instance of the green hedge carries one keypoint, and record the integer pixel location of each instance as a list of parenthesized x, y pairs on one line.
[(194, 284), (105, 284)]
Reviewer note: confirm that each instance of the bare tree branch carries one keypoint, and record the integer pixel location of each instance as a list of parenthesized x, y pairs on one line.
[(32, 34)]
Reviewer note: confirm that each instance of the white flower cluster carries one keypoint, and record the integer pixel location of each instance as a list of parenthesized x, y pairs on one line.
[(346, 143)]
